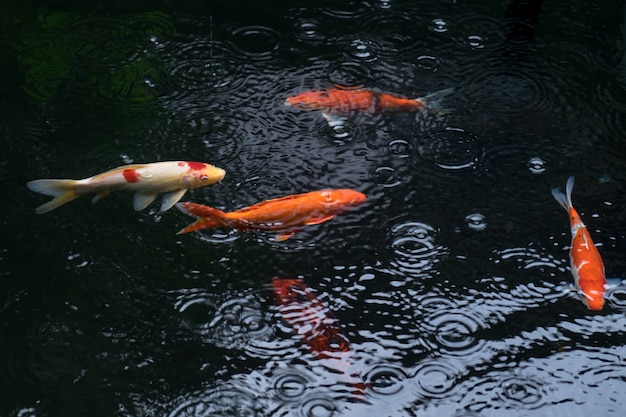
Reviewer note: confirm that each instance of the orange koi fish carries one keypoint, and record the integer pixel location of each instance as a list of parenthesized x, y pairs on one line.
[(586, 263), (146, 180), (286, 215), (345, 100), (315, 323)]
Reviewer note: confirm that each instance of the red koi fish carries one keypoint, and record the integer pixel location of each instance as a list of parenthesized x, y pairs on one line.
[(146, 180), (286, 215), (586, 263), (319, 329), (345, 100)]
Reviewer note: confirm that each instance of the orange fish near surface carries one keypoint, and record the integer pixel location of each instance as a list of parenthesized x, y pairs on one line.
[(586, 263), (286, 215), (146, 180), (344, 100)]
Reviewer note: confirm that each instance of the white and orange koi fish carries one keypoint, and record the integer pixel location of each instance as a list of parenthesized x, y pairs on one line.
[(586, 263), (146, 180)]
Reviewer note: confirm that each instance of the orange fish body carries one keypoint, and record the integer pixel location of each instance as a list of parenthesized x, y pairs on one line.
[(286, 215), (345, 100), (146, 180), (309, 317), (586, 263)]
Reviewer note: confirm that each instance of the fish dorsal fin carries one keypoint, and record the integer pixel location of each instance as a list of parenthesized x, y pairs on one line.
[(117, 169), (268, 202), (143, 200), (318, 220), (172, 198)]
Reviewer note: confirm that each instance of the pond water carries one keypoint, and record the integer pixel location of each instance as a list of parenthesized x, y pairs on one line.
[(450, 286)]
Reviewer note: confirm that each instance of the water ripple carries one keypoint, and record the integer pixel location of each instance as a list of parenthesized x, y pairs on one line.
[(436, 378), (401, 148), (352, 10), (256, 42), (386, 176), (225, 400), (235, 323), (414, 248), (46, 358), (203, 66), (531, 258), (616, 297), (512, 91), (453, 332), (451, 149), (479, 32), (521, 392), (386, 380), (308, 30), (291, 384), (348, 73)]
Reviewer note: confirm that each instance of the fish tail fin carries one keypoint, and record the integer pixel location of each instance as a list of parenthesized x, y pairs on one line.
[(565, 200), (432, 101), (62, 191), (208, 217)]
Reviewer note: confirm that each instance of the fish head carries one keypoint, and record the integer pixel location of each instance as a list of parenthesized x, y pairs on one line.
[(311, 100), (593, 299), (201, 174), (341, 199)]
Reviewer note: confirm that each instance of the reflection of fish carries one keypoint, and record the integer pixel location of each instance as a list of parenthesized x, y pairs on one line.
[(344, 100), (286, 215), (146, 180), (586, 263), (314, 322)]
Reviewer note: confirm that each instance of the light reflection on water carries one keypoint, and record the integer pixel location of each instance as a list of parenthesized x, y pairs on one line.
[(448, 283)]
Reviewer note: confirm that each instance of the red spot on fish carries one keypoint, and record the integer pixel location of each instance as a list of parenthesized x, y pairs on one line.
[(196, 166), (130, 175)]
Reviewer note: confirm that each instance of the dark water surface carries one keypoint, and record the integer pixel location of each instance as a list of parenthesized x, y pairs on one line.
[(450, 283)]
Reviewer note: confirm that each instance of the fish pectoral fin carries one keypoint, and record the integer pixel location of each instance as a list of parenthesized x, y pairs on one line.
[(100, 196), (318, 220), (142, 200), (281, 237), (172, 198), (334, 119)]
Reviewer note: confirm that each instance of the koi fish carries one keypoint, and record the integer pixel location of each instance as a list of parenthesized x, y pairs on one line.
[(146, 180), (319, 329), (285, 215), (335, 102), (586, 263)]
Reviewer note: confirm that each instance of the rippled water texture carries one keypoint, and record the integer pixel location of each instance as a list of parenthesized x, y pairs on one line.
[(448, 293)]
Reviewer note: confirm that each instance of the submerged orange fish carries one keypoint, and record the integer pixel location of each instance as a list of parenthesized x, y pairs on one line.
[(344, 100), (319, 329), (586, 263), (309, 317), (286, 215), (146, 180)]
